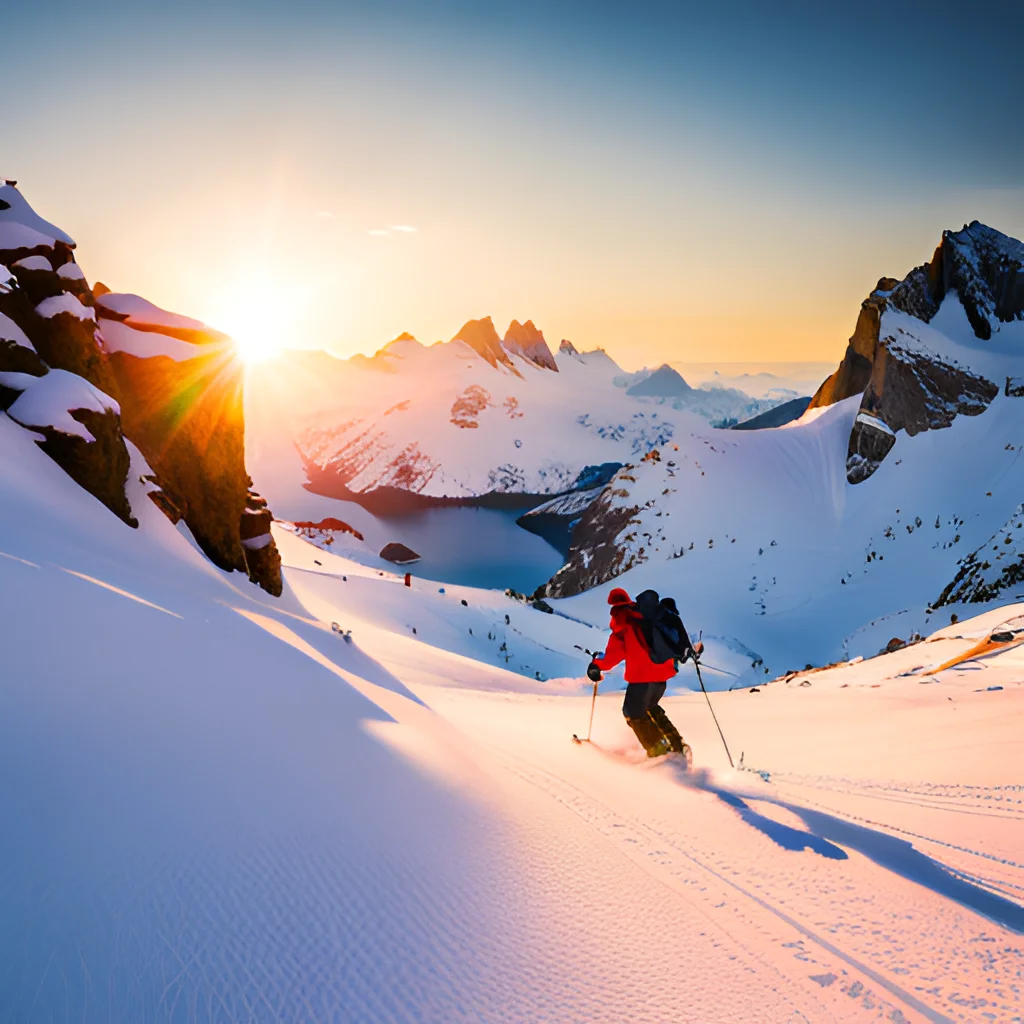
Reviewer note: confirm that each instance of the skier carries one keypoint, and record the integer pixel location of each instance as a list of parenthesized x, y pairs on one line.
[(649, 636)]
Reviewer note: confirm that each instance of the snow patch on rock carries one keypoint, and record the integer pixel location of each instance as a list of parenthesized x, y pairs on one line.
[(49, 402), (65, 303)]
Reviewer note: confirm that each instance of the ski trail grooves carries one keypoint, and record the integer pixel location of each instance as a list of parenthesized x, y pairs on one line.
[(662, 857), (873, 914)]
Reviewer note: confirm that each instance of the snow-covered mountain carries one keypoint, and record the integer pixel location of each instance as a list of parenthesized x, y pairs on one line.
[(96, 376), (896, 493), (478, 417)]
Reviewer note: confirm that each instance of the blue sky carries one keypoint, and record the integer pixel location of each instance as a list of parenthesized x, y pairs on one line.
[(687, 181)]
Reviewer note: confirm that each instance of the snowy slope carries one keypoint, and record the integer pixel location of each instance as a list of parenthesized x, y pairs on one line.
[(222, 810)]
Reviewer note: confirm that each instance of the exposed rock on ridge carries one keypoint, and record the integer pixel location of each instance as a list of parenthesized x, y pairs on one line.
[(904, 386), (527, 341), (481, 336)]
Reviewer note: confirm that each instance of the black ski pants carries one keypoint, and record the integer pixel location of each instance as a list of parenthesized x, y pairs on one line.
[(641, 697)]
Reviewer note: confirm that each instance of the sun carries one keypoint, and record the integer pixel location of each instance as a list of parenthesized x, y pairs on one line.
[(258, 326), (256, 346)]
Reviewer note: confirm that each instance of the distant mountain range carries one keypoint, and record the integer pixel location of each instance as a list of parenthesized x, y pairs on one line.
[(479, 418)]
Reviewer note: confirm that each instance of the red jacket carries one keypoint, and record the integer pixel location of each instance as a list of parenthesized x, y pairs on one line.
[(627, 644)]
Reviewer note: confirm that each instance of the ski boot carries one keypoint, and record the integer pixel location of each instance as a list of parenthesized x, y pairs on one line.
[(650, 736), (670, 733), (666, 728)]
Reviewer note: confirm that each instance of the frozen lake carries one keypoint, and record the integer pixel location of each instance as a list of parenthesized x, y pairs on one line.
[(477, 547)]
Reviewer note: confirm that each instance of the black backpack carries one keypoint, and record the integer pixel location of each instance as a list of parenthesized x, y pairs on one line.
[(662, 628)]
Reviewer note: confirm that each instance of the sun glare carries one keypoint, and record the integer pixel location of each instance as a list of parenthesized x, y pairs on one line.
[(258, 328)]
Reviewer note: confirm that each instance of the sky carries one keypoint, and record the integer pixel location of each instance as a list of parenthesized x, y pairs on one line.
[(686, 181)]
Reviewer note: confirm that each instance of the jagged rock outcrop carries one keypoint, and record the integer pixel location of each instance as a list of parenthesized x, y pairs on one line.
[(904, 385), (165, 382), (527, 341), (481, 336), (568, 348)]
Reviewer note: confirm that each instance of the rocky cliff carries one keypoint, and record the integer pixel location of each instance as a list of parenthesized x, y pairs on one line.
[(85, 371), (906, 386)]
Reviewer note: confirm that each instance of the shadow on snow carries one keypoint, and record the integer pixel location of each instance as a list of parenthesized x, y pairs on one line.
[(827, 835)]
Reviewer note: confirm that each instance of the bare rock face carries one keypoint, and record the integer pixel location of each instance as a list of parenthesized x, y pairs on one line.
[(568, 348), (904, 386), (527, 341), (595, 556), (481, 336), (912, 391), (186, 419), (100, 466)]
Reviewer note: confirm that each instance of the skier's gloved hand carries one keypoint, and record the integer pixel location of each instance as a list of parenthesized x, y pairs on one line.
[(698, 650), (593, 673)]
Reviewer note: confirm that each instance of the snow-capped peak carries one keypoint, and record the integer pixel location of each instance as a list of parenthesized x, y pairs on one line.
[(527, 341)]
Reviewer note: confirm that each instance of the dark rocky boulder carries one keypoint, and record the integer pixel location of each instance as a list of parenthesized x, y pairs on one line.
[(100, 465), (262, 559), (870, 441), (399, 553)]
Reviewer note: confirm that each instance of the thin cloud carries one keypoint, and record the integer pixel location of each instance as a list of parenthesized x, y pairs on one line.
[(326, 214), (406, 228), (379, 232)]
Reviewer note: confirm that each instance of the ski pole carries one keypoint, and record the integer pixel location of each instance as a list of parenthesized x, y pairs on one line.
[(593, 701), (696, 665)]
